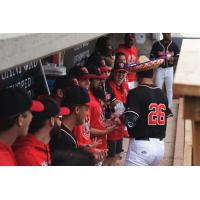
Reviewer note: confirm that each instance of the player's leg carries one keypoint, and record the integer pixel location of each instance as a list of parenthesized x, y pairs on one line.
[(111, 148), (159, 78), (140, 153), (111, 153), (169, 76), (159, 151), (119, 144)]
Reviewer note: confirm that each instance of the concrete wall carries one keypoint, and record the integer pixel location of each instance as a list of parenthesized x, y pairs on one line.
[(79, 53), (17, 49)]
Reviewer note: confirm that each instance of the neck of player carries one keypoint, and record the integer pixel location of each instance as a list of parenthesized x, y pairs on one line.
[(69, 122), (148, 81)]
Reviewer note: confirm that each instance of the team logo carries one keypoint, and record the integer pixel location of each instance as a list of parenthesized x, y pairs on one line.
[(86, 132), (143, 152), (131, 59)]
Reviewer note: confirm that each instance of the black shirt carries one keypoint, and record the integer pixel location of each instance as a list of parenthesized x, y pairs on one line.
[(151, 106), (162, 49), (63, 140)]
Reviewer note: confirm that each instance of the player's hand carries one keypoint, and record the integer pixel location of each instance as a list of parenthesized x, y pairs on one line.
[(113, 120), (117, 120), (95, 142), (171, 60), (100, 154), (110, 129)]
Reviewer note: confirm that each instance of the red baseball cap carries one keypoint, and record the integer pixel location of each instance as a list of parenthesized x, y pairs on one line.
[(36, 106), (105, 68), (80, 72), (64, 111), (96, 71)]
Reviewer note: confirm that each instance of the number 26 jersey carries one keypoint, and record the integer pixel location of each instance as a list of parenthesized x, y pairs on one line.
[(151, 106)]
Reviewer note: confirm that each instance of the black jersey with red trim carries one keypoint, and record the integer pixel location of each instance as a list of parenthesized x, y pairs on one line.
[(151, 107), (63, 139), (161, 49)]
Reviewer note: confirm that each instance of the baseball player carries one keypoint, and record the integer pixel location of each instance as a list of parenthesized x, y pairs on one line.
[(146, 120), (33, 149), (15, 116), (131, 54), (120, 90), (167, 49), (82, 132)]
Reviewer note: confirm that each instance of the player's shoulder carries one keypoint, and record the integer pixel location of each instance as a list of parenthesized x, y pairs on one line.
[(174, 44), (156, 43), (134, 92)]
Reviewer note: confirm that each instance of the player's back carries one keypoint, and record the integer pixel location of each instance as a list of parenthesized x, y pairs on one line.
[(151, 105)]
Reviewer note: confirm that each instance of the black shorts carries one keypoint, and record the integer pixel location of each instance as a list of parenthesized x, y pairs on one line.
[(114, 147)]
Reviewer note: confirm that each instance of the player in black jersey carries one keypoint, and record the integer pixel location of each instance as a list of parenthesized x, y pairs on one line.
[(146, 120), (168, 50)]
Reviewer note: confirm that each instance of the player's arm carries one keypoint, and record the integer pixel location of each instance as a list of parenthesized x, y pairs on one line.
[(131, 114), (97, 132), (129, 119)]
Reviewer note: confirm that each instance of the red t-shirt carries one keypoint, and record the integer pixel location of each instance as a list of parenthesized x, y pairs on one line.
[(82, 133), (131, 57), (120, 94), (29, 151), (97, 120), (7, 157)]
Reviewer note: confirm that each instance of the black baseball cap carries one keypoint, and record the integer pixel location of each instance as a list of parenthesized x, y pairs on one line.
[(51, 109), (14, 101), (63, 82), (96, 71), (76, 96), (80, 72)]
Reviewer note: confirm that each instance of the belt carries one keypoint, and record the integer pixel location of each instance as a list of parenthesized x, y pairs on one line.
[(164, 67), (148, 139)]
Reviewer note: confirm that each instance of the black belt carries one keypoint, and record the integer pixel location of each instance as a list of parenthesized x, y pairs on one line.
[(148, 139), (164, 67)]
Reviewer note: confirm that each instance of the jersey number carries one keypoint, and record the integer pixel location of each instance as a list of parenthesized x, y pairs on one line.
[(156, 115)]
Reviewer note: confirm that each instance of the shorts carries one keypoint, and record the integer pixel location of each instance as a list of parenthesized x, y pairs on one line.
[(114, 147)]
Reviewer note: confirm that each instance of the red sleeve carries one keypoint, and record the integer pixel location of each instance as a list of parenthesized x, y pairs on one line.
[(25, 158)]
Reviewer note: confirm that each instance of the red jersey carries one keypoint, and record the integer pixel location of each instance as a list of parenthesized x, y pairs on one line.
[(29, 151), (82, 133), (120, 93), (131, 58), (7, 157), (97, 120)]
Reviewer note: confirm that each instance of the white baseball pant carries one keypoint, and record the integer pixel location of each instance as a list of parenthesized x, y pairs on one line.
[(144, 152), (165, 75)]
